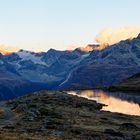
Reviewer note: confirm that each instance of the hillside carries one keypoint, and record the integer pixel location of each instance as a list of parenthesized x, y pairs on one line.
[(59, 116), (130, 84), (108, 66), (99, 66)]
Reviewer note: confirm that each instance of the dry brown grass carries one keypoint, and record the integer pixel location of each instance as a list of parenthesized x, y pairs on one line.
[(1, 112), (15, 136)]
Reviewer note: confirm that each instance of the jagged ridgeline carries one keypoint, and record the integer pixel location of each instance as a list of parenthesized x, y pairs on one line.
[(24, 71)]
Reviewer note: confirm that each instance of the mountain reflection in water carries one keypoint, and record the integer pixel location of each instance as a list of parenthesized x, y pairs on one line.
[(116, 102)]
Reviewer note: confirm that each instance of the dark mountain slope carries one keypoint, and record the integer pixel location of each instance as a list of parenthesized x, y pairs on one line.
[(70, 69), (24, 72), (130, 84), (11, 86), (107, 67)]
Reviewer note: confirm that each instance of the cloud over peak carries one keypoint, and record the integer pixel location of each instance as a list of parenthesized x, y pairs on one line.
[(112, 35)]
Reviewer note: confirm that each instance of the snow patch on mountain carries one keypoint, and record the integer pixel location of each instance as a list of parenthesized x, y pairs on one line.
[(26, 55), (85, 55)]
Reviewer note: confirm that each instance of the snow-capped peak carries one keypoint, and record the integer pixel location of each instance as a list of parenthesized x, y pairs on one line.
[(27, 55)]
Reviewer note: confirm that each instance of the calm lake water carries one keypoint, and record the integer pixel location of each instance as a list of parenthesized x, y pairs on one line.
[(116, 101)]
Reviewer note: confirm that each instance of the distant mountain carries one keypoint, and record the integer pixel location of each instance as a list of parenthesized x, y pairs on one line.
[(100, 65), (24, 71), (106, 67)]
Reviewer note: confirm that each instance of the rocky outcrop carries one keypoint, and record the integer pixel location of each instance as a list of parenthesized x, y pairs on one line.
[(59, 116)]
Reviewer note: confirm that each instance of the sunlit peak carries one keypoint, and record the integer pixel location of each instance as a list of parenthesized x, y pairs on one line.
[(5, 50)]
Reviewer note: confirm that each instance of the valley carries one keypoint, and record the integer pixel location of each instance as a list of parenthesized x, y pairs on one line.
[(83, 94), (69, 70), (24, 72)]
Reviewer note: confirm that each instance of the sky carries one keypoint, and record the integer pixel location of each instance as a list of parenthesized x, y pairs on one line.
[(39, 25)]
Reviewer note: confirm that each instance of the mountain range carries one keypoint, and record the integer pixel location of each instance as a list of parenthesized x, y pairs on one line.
[(94, 66)]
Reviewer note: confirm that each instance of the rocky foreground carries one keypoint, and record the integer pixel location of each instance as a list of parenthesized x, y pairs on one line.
[(58, 116)]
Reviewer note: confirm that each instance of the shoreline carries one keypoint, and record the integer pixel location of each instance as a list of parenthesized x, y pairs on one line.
[(55, 115)]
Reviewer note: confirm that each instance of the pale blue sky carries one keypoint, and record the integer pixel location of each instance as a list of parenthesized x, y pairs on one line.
[(59, 24)]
